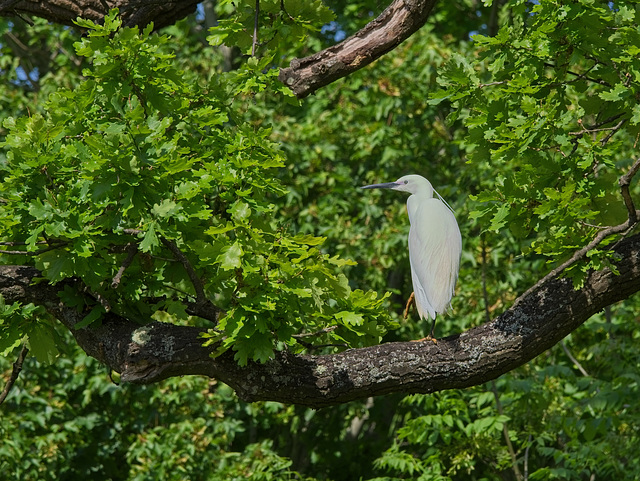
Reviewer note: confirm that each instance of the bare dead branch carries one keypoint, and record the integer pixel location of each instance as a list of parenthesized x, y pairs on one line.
[(314, 347), (573, 359), (103, 301)]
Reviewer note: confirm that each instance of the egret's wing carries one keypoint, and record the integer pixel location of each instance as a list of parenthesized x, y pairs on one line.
[(423, 306), (435, 245)]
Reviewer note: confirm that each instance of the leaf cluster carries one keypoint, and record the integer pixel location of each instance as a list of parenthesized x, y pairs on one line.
[(270, 28), (153, 192), (554, 97)]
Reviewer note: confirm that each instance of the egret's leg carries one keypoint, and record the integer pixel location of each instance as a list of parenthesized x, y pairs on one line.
[(431, 337), (412, 299)]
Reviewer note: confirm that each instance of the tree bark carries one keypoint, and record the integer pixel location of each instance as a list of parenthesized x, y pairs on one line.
[(156, 351), (133, 12)]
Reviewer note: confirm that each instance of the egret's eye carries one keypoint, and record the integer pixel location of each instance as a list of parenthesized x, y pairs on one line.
[(406, 182)]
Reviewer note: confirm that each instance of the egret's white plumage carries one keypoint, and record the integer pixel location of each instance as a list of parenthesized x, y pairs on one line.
[(435, 245)]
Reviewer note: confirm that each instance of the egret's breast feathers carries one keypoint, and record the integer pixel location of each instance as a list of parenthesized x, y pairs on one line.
[(435, 245)]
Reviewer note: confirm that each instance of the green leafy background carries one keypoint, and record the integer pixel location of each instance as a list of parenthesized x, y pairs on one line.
[(522, 115)]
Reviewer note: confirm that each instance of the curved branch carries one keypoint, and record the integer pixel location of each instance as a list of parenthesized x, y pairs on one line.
[(398, 22), (156, 351)]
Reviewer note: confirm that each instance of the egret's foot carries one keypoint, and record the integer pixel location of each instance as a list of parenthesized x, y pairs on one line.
[(428, 338), (411, 300)]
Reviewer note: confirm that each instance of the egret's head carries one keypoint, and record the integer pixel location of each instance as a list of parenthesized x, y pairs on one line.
[(414, 184)]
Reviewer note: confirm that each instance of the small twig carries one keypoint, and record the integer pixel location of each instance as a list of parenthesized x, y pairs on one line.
[(573, 359), (16, 243), (325, 330), (586, 224), (485, 294), (505, 433), (17, 42), (490, 84), (255, 30), (597, 127), (526, 459), (15, 372), (98, 297), (26, 20), (165, 259), (132, 250), (34, 253), (312, 347), (494, 389), (624, 183), (193, 277), (308, 345), (285, 11), (591, 131), (203, 307), (580, 75), (579, 254), (614, 129), (208, 311)]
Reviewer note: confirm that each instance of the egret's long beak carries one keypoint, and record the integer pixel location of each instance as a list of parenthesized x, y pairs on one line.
[(386, 185)]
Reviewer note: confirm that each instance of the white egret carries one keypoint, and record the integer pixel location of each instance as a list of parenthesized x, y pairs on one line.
[(435, 245)]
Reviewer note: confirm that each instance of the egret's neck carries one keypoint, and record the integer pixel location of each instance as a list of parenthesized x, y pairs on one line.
[(425, 192)]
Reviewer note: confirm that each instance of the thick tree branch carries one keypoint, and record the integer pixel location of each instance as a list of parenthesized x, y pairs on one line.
[(397, 23), (134, 12), (147, 354)]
